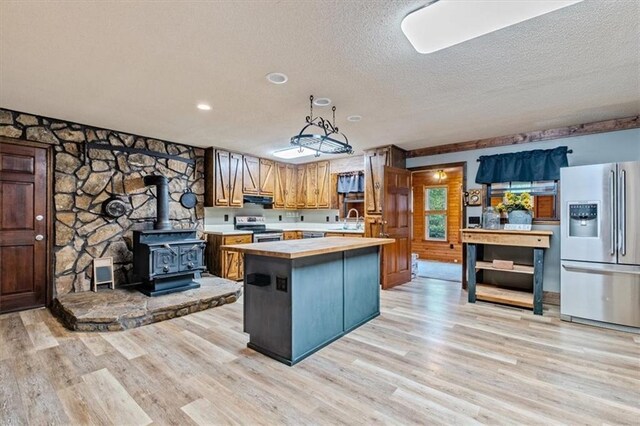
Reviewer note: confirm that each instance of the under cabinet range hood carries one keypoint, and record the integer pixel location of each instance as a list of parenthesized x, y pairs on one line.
[(257, 199)]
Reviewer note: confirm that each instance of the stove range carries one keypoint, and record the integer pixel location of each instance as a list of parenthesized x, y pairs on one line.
[(256, 224)]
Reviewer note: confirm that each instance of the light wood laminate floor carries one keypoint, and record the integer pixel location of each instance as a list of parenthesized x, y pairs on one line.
[(430, 358)]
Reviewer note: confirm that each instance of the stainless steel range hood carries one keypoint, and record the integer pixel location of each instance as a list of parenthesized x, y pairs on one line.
[(256, 199)]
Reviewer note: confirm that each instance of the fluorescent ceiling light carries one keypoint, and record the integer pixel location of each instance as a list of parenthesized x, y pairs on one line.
[(294, 152), (446, 23)]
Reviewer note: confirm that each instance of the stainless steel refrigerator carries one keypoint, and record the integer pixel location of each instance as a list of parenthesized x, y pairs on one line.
[(600, 243)]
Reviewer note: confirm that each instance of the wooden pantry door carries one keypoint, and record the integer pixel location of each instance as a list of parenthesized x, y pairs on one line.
[(396, 224), (23, 227)]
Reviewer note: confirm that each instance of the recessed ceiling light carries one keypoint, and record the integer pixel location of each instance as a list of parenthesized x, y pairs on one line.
[(322, 102), (354, 118), (446, 23), (204, 107), (294, 152), (277, 78)]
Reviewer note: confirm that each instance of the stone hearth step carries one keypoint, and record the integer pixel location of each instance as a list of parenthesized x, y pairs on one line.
[(121, 309)]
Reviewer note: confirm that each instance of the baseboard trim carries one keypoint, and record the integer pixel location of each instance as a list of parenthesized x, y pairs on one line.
[(551, 298)]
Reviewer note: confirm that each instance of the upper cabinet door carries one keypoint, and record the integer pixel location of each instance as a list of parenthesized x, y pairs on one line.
[(323, 185), (235, 180), (290, 189), (267, 177), (250, 175), (375, 161), (301, 186), (279, 196), (311, 198), (221, 186)]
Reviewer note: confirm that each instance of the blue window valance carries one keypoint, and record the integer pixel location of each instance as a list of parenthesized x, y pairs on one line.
[(525, 166), (351, 182)]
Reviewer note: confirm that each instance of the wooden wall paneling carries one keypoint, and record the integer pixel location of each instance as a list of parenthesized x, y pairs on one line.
[(235, 180), (279, 195), (250, 175), (311, 198), (291, 186), (535, 136), (222, 164), (323, 185), (267, 177), (440, 251), (209, 177), (301, 186)]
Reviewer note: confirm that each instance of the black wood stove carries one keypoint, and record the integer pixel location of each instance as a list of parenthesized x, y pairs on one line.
[(166, 260)]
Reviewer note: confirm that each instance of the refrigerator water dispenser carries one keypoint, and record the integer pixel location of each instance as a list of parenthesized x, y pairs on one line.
[(583, 220)]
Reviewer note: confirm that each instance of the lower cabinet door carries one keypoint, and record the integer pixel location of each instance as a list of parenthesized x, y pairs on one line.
[(230, 265)]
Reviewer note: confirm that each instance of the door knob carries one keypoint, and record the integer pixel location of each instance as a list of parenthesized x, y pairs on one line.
[(39, 218), (39, 237)]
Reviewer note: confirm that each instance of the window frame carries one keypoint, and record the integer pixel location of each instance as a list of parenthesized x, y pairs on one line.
[(555, 192), (429, 212)]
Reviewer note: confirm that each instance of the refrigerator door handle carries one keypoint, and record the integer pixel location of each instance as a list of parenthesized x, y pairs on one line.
[(612, 212), (622, 212), (599, 270)]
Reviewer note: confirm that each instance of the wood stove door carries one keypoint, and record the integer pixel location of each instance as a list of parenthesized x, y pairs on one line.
[(165, 261), (191, 257)]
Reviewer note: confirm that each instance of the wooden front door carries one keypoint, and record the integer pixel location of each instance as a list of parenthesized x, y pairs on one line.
[(396, 221), (23, 227)]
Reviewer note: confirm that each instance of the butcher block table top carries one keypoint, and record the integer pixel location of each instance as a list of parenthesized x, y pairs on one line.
[(293, 249), (503, 237)]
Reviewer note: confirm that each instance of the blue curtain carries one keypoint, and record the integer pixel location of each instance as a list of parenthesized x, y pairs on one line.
[(525, 166), (352, 182)]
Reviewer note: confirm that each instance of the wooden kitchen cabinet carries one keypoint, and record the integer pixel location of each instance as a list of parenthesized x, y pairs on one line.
[(342, 234), (280, 187), (267, 177), (373, 226), (316, 186), (250, 175), (223, 263), (311, 196), (301, 186), (290, 189), (374, 162), (292, 235), (323, 185), (223, 178)]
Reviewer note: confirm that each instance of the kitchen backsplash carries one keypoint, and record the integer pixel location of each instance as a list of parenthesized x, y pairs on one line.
[(216, 215)]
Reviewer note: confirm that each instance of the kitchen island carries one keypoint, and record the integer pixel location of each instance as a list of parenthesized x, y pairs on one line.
[(301, 295)]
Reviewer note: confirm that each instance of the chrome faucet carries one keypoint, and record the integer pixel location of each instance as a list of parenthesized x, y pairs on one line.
[(349, 217)]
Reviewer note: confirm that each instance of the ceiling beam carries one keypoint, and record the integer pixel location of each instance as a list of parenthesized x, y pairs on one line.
[(535, 136)]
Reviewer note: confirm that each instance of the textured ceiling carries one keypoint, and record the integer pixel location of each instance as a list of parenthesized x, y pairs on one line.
[(141, 67)]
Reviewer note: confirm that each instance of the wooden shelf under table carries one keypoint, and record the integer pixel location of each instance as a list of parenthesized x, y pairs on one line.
[(518, 269), (492, 293)]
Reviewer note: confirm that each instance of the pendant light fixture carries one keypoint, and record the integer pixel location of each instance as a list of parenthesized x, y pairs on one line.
[(321, 135)]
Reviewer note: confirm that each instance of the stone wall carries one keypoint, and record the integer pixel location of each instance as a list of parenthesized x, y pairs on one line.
[(82, 231)]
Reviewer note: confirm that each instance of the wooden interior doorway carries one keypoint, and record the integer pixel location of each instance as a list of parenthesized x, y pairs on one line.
[(438, 213), (25, 230)]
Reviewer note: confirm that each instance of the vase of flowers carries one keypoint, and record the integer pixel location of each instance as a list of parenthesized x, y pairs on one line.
[(518, 207)]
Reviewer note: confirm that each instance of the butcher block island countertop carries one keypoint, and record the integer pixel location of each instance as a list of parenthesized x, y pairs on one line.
[(294, 249)]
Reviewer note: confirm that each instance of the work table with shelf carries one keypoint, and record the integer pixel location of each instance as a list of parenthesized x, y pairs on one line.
[(476, 239)]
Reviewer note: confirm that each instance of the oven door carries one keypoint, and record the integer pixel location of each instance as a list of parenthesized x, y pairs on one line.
[(165, 261), (263, 238)]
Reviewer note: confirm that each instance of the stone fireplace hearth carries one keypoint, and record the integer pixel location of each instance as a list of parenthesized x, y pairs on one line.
[(123, 308)]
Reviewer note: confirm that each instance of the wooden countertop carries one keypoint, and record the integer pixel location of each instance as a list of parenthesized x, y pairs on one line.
[(505, 231), (293, 249)]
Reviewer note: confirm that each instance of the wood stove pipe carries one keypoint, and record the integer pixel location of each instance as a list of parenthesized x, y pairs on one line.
[(162, 200)]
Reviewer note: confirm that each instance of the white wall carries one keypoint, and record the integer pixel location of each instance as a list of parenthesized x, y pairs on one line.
[(600, 148)]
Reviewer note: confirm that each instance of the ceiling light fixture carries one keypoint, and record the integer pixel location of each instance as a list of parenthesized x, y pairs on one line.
[(204, 107), (354, 118), (446, 23), (321, 136), (322, 102), (277, 78), (294, 152), (440, 175)]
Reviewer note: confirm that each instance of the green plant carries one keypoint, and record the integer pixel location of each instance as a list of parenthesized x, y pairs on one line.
[(513, 202)]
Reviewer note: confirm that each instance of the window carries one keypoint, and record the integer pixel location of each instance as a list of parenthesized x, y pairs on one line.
[(545, 196), (435, 213)]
